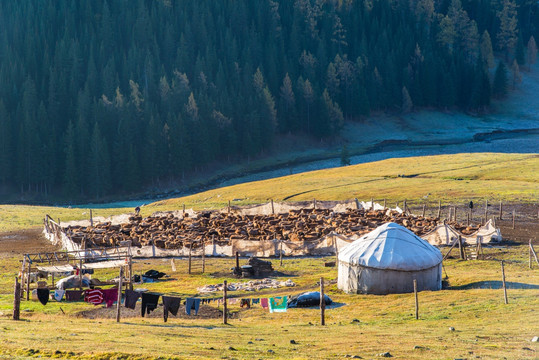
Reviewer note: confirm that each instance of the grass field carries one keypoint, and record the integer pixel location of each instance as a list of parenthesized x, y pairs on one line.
[(449, 178), (484, 327)]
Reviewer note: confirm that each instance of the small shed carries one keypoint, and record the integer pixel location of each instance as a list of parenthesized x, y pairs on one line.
[(387, 260)]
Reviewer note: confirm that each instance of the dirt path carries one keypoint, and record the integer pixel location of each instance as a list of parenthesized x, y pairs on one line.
[(24, 242)]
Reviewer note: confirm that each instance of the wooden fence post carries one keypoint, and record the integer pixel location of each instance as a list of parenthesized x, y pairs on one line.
[(91, 218), (439, 208), (455, 213), (530, 254), (183, 207), (281, 251), (372, 204), (404, 207), (272, 208), (500, 210), (314, 203), (486, 211), (461, 248), (322, 303), (533, 252), (513, 218), (119, 303), (503, 285), (385, 207), (203, 256), (190, 249), (17, 300), (423, 214), (416, 300), (225, 315), (228, 206)]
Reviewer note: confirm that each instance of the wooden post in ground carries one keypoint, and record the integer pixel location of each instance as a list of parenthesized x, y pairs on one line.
[(503, 285), (17, 300), (468, 218), (119, 303), (203, 255), (91, 218), (455, 213), (28, 281), (80, 271), (513, 218), (225, 315), (439, 208), (534, 253), (357, 203), (416, 300), (404, 207), (322, 303), (228, 206), (281, 251), (500, 216), (385, 204), (372, 204), (130, 268), (530, 254), (461, 248), (183, 207), (190, 250), (423, 214), (272, 208), (237, 261), (314, 203), (486, 211)]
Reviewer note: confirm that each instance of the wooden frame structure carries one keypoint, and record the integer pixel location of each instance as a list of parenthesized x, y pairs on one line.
[(98, 258)]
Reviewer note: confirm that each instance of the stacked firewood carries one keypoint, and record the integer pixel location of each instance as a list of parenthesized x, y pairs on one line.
[(170, 232)]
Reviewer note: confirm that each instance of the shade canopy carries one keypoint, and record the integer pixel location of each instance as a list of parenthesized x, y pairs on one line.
[(392, 247)]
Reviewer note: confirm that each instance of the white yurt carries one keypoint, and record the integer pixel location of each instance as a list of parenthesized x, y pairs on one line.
[(387, 260)]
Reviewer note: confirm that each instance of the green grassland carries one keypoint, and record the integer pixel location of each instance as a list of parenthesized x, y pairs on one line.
[(485, 327), (449, 178)]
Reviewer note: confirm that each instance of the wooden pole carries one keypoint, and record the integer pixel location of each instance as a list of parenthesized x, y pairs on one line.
[(530, 254), (281, 252), (534, 253), (17, 300), (272, 208), (203, 255), (486, 211), (468, 218), (314, 203), (80, 272), (416, 301), (423, 214), (449, 252), (372, 204), (229, 206), (385, 207), (225, 315), (130, 269), (461, 248), (183, 209), (500, 210), (91, 218), (322, 303), (503, 285), (237, 261), (119, 303), (404, 206), (439, 208), (190, 250), (28, 281), (513, 218), (455, 213)]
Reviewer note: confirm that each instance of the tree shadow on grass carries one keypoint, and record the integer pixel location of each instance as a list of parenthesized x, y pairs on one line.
[(495, 285)]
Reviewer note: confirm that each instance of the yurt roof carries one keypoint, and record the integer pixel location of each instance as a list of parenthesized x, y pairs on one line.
[(393, 247)]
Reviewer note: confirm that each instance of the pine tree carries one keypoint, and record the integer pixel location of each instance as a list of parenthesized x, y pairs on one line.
[(532, 52), (499, 85), (507, 34), (486, 49)]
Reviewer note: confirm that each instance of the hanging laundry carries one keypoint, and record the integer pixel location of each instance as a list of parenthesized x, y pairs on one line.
[(149, 302), (245, 303), (278, 304), (171, 304), (94, 296), (110, 296), (59, 294), (255, 301), (264, 303), (131, 298), (43, 295), (73, 295), (192, 304)]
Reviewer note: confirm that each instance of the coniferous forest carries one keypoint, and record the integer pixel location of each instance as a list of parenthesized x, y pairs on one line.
[(109, 97)]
